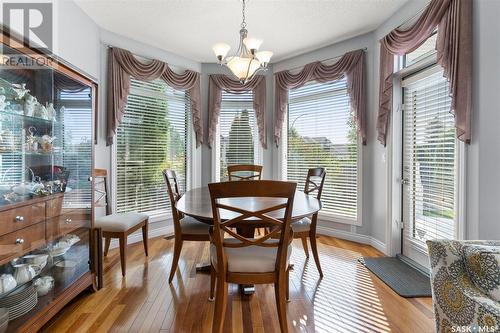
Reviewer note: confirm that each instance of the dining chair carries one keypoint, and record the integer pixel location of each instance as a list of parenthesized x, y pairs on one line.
[(306, 228), (186, 228), (118, 225), (250, 172), (259, 260)]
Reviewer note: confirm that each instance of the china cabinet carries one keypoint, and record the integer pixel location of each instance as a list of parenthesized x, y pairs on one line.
[(48, 247)]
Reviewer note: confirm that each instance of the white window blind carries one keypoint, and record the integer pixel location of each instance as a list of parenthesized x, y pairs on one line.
[(430, 158), (153, 136), (322, 133), (76, 124), (238, 133)]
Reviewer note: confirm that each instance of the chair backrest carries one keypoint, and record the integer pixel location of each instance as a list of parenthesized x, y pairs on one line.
[(174, 194), (101, 179), (276, 197), (250, 172), (315, 181)]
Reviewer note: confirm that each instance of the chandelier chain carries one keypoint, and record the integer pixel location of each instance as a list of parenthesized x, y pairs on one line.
[(243, 22)]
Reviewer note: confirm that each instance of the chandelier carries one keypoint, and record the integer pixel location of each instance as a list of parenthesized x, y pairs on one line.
[(248, 60)]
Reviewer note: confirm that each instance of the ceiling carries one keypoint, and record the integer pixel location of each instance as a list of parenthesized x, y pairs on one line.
[(190, 27)]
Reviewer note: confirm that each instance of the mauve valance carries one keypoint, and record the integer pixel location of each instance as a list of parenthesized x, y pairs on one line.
[(122, 65), (351, 65), (453, 19), (218, 83)]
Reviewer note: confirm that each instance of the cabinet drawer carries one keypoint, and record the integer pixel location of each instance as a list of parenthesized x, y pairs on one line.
[(54, 207), (64, 224), (22, 217), (19, 242)]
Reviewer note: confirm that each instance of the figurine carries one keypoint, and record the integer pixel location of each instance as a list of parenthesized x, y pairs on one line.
[(51, 112), (3, 103), (30, 104), (20, 89), (41, 111), (31, 142), (47, 142)]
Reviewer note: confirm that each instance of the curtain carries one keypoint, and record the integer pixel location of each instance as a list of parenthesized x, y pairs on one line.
[(122, 65), (453, 19), (351, 65), (219, 82)]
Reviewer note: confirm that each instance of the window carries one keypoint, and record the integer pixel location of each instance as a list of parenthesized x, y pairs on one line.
[(429, 158), (154, 135), (322, 133), (76, 120), (426, 49), (238, 138)]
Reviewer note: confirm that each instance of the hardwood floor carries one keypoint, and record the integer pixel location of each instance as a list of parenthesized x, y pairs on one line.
[(348, 299)]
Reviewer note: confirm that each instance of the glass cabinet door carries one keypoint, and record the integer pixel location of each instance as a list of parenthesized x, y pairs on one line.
[(45, 189)]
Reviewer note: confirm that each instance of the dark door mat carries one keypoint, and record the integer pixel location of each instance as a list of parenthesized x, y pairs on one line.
[(405, 280)]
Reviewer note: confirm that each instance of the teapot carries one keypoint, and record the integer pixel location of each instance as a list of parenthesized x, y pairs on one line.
[(7, 283), (25, 272)]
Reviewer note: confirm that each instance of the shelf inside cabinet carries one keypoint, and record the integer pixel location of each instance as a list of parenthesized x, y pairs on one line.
[(27, 118)]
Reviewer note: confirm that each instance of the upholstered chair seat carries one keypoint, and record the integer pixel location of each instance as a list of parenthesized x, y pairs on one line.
[(191, 226), (250, 259), (119, 222), (302, 225)]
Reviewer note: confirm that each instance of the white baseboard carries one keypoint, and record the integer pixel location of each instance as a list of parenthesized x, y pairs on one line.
[(351, 236), (153, 232)]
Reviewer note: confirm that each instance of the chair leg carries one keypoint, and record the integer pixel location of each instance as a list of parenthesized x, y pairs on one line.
[(123, 251), (280, 293), (175, 259), (220, 306), (304, 245), (314, 249), (145, 237), (107, 241), (213, 280)]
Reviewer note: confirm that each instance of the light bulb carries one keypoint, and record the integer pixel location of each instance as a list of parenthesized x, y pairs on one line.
[(221, 50), (264, 56), (252, 43)]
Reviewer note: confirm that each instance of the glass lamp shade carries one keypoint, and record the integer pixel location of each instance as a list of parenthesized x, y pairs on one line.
[(240, 67), (221, 49), (264, 56), (252, 43)]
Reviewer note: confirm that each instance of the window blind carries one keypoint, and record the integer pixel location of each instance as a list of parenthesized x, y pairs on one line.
[(153, 136), (430, 158), (76, 124), (322, 133), (238, 133)]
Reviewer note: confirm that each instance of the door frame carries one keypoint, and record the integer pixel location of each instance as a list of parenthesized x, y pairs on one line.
[(394, 157)]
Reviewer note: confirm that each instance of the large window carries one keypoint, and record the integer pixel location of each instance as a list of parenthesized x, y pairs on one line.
[(322, 133), (237, 138), (153, 136)]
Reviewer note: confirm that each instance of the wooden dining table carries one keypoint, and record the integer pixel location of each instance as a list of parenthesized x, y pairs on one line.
[(196, 203)]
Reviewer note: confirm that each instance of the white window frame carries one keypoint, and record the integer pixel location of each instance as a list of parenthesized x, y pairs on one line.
[(394, 152), (193, 172), (328, 217), (215, 155)]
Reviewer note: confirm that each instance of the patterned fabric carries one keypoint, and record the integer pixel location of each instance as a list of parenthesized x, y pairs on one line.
[(460, 301), (483, 266)]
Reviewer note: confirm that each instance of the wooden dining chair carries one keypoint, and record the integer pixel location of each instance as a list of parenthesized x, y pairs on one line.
[(306, 228), (186, 228), (118, 225), (244, 260), (244, 172)]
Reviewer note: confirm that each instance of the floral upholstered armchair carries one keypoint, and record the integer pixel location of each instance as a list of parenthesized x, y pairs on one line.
[(465, 285)]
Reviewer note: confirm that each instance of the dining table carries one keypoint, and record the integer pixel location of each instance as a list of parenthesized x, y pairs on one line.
[(197, 204)]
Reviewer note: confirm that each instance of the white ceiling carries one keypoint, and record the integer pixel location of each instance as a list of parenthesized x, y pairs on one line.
[(190, 27)]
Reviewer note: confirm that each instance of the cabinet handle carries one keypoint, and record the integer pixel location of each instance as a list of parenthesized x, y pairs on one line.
[(19, 218), (68, 221), (19, 241)]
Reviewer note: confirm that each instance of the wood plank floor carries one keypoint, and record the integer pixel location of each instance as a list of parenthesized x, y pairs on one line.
[(348, 299)]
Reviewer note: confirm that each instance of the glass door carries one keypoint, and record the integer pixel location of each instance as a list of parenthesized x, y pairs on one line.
[(429, 163)]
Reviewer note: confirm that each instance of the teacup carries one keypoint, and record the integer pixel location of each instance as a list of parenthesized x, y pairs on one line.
[(43, 285)]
